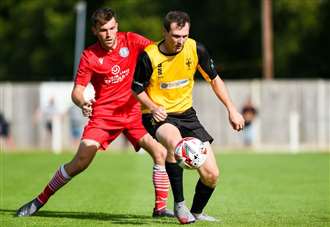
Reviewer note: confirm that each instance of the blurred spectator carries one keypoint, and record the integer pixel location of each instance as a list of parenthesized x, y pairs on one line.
[(45, 115), (76, 123), (249, 113), (48, 114), (5, 136)]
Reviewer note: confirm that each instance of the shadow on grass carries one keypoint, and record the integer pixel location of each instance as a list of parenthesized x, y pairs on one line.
[(131, 219)]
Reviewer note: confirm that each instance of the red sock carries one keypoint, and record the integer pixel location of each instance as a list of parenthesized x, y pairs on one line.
[(59, 179), (161, 184)]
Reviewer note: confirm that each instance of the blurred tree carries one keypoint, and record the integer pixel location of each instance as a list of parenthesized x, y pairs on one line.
[(141, 16), (232, 33), (299, 28), (39, 40), (230, 30), (37, 36), (40, 36), (312, 41)]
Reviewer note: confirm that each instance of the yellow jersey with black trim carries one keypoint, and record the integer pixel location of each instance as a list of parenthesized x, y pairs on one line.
[(168, 80)]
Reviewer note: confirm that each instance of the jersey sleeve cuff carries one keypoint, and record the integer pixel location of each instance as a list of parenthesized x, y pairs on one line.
[(137, 87)]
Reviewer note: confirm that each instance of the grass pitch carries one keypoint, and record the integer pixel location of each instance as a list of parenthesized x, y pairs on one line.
[(116, 190)]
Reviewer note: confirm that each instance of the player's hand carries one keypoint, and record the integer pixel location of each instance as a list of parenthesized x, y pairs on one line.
[(236, 120), (159, 114), (87, 108)]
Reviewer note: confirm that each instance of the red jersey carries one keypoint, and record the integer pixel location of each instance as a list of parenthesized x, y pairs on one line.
[(111, 74)]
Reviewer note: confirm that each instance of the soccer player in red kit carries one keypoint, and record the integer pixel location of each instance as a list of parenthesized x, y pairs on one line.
[(109, 65)]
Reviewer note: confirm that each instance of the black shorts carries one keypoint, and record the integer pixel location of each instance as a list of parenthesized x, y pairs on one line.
[(187, 123)]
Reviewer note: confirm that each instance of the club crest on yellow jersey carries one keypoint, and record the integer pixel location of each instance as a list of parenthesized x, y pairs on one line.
[(172, 77), (189, 63)]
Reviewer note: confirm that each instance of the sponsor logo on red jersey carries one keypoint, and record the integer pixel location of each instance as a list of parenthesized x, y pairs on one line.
[(118, 75)]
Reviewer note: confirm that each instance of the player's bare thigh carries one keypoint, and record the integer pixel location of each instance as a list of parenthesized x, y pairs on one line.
[(156, 150), (169, 135)]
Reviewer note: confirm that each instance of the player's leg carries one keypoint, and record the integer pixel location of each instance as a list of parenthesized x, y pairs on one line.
[(209, 173), (155, 149), (169, 135), (138, 136), (86, 153), (93, 138), (63, 175), (159, 176)]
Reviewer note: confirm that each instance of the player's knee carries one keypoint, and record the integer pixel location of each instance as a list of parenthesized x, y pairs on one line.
[(160, 156), (173, 143), (211, 178), (82, 159), (155, 149), (215, 177), (88, 143), (170, 157)]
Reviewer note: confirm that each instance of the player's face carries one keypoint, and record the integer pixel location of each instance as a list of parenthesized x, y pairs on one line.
[(107, 34), (176, 37)]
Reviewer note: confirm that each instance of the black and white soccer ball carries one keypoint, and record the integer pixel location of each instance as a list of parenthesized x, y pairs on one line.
[(190, 153)]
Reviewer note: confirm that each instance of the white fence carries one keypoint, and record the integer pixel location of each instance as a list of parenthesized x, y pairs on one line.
[(292, 115)]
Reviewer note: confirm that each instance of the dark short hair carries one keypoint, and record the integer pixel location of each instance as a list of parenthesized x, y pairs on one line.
[(102, 16), (178, 17)]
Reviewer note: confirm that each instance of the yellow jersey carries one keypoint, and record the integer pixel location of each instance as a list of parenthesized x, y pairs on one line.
[(168, 80)]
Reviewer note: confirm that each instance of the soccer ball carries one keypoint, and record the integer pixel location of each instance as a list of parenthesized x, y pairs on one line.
[(190, 153)]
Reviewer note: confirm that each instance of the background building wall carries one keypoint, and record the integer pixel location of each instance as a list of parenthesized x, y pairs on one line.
[(291, 114)]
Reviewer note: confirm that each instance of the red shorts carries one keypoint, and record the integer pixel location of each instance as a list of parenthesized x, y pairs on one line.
[(105, 131)]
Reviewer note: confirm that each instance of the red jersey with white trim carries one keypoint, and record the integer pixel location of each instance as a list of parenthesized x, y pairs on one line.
[(111, 74)]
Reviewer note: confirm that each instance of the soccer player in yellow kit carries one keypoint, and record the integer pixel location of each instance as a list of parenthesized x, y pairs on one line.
[(163, 83)]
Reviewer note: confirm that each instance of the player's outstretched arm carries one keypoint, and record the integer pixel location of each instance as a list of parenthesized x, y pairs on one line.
[(235, 118)]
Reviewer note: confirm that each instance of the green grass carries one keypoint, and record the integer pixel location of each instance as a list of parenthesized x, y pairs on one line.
[(116, 190)]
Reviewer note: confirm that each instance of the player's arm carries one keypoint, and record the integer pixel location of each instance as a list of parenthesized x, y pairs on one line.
[(207, 69), (142, 77), (82, 79), (77, 96), (235, 118)]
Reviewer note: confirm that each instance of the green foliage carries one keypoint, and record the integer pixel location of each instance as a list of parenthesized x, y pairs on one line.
[(116, 190), (38, 36), (139, 16), (233, 36), (39, 40), (295, 22)]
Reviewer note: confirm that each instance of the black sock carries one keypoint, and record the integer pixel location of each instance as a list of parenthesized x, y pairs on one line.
[(201, 197), (175, 174)]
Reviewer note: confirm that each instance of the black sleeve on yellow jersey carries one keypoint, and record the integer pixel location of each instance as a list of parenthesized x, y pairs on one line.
[(205, 62), (142, 73)]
